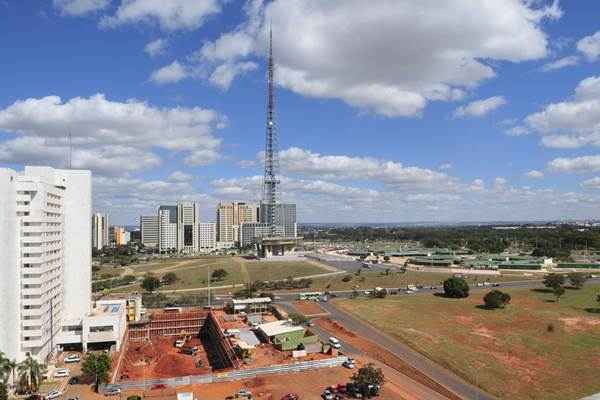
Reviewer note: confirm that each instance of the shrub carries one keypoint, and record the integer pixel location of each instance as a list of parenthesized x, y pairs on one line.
[(457, 288), (347, 278), (496, 299)]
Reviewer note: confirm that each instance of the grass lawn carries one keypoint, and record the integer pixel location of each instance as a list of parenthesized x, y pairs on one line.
[(369, 280), (275, 270), (512, 353)]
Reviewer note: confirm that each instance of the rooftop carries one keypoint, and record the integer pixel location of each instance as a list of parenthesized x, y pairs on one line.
[(279, 328)]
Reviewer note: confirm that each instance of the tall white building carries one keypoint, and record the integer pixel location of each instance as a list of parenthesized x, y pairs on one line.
[(149, 230), (167, 228), (207, 236), (230, 217), (188, 218), (45, 256), (100, 227)]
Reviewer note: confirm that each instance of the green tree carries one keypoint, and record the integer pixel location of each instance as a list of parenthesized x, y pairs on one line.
[(96, 367), (31, 373), (3, 391), (386, 258), (558, 292), (298, 319), (496, 299), (456, 288), (219, 274), (150, 283), (368, 375), (553, 281), (169, 278), (577, 280)]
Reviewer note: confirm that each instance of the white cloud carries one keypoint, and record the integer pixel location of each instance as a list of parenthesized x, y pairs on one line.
[(593, 183), (225, 73), (445, 166), (180, 176), (561, 63), (306, 162), (366, 57), (80, 7), (590, 46), (108, 137), (479, 108), (577, 164), (518, 130), (171, 73), (171, 15), (535, 174), (156, 47), (572, 123)]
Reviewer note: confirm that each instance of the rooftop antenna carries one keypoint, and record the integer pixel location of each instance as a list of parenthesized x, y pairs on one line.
[(70, 151)]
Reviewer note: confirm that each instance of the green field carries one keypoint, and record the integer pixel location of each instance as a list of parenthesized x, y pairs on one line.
[(533, 349), (369, 280)]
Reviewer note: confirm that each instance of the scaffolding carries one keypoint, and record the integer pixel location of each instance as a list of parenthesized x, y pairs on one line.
[(170, 322), (221, 354)]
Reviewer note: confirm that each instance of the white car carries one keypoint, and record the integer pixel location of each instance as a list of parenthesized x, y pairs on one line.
[(72, 358), (62, 373), (53, 394)]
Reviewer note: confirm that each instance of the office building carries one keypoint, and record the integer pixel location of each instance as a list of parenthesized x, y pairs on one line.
[(121, 236), (207, 236), (167, 229), (251, 231), (188, 218), (100, 227), (45, 245), (149, 230), (285, 218), (230, 216)]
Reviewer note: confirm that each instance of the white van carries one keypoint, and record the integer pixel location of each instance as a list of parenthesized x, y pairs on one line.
[(334, 342)]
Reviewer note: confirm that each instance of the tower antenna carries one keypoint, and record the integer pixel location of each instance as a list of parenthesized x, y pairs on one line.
[(270, 179), (70, 151)]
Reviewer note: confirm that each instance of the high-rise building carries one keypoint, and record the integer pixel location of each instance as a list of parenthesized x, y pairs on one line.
[(188, 218), (149, 230), (285, 215), (45, 248), (167, 228), (230, 217), (225, 223), (251, 231), (100, 231), (207, 236), (121, 236)]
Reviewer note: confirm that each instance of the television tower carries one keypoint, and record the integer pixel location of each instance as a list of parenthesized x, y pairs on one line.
[(270, 179)]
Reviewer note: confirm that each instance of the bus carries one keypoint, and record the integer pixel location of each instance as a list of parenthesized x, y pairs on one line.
[(315, 296)]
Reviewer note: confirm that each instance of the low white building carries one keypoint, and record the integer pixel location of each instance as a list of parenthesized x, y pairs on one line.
[(104, 326), (207, 236)]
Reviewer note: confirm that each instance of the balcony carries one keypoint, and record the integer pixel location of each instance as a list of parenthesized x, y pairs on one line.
[(33, 322), (32, 343), (32, 239), (33, 312), (96, 337)]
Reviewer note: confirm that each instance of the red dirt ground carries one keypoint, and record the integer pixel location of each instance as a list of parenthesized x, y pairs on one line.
[(381, 354), (309, 308), (161, 359)]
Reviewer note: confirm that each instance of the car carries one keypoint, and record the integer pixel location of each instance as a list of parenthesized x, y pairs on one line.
[(291, 396), (495, 284), (62, 373), (74, 381), (327, 395), (112, 392), (74, 398), (53, 394), (179, 343), (349, 364), (72, 358), (158, 386), (244, 393)]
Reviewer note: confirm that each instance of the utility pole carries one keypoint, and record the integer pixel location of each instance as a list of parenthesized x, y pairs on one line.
[(208, 272)]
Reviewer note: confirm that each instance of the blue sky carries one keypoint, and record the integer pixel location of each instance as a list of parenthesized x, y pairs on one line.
[(403, 111)]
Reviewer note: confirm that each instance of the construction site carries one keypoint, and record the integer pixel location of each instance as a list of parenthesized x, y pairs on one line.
[(179, 342)]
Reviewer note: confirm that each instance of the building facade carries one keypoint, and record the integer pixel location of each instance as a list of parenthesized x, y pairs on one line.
[(207, 236), (100, 225), (121, 236), (225, 222), (285, 217), (149, 230), (167, 229), (45, 243), (249, 232), (188, 218), (230, 217)]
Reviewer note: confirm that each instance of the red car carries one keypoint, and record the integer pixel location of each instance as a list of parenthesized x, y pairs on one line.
[(291, 396), (158, 386)]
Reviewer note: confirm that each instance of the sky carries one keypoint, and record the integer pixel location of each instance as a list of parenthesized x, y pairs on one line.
[(387, 110)]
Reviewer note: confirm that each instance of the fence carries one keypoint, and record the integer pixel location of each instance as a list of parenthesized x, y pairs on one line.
[(227, 376)]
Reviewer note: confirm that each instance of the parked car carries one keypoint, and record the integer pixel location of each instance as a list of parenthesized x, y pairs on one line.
[(74, 381), (62, 373), (53, 394), (112, 392), (179, 343), (327, 395), (349, 364), (291, 396), (244, 393), (72, 358)]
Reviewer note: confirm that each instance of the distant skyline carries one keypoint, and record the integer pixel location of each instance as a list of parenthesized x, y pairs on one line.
[(402, 110)]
